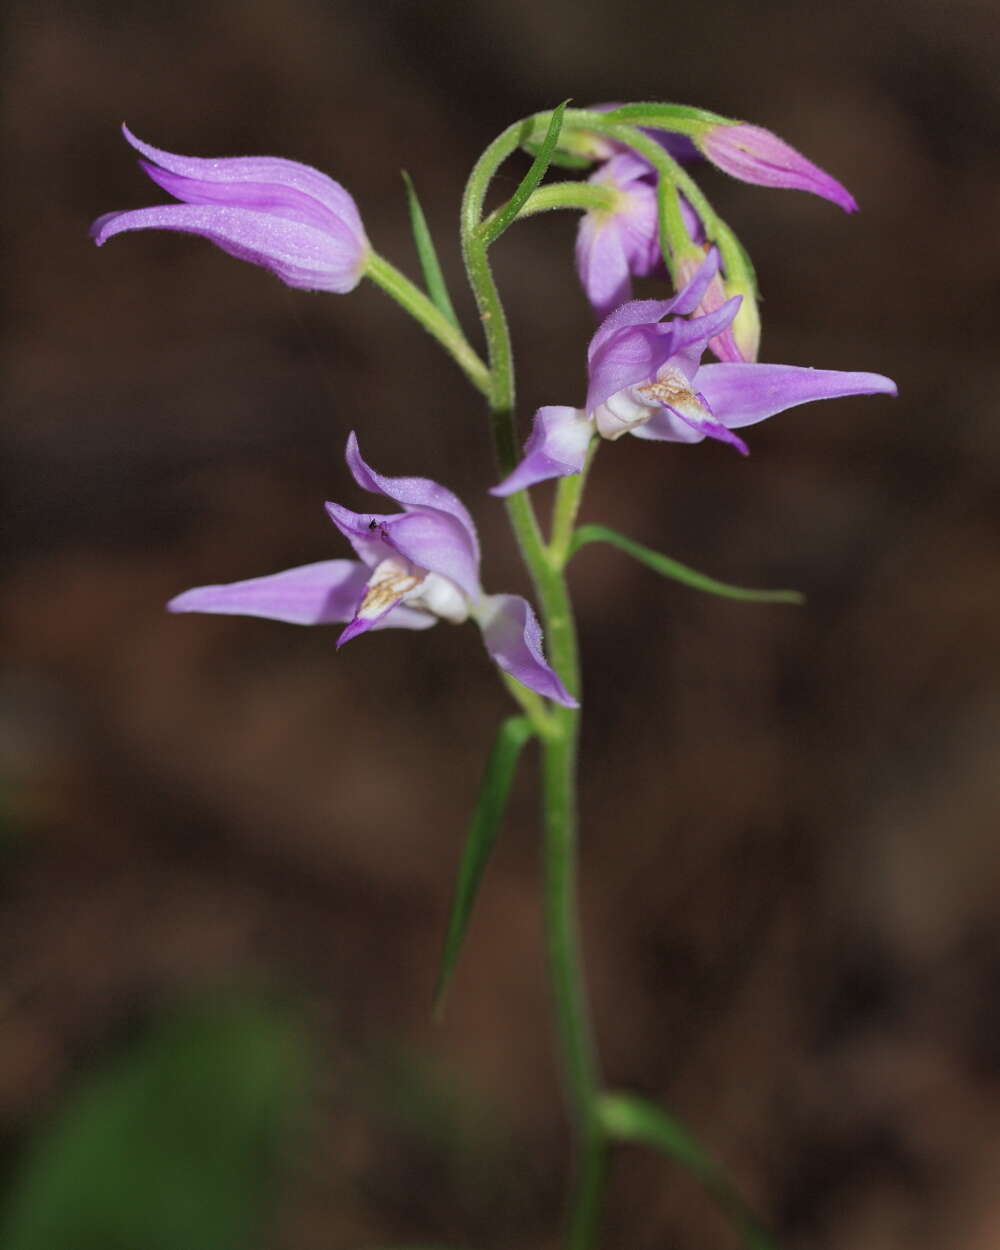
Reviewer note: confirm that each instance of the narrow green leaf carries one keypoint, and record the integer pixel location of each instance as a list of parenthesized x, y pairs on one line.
[(679, 572), (429, 264), (486, 816), (626, 1117), (497, 223)]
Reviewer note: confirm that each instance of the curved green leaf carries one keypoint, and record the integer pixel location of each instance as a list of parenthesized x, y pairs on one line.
[(486, 816), (494, 226), (626, 1117), (429, 264), (679, 572)]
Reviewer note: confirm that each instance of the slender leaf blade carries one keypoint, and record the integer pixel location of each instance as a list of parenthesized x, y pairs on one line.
[(487, 814), (667, 567), (430, 267), (498, 222), (628, 1118)]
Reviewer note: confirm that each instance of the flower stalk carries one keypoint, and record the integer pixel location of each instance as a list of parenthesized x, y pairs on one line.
[(422, 309)]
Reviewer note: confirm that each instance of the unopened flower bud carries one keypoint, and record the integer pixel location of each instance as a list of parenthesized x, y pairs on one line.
[(755, 155)]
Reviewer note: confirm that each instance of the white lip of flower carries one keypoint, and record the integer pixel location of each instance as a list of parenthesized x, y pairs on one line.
[(441, 597), (635, 405), (395, 580)]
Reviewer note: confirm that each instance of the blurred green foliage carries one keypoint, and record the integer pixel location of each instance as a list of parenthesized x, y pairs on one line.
[(175, 1147)]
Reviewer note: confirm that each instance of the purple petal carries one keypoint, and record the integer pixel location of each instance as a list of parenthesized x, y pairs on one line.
[(313, 594), (669, 425), (410, 492), (513, 638), (689, 297), (265, 197), (425, 537), (639, 229), (280, 173), (601, 262), (649, 311), (366, 532), (622, 170), (611, 245), (634, 353), (687, 418), (300, 255), (557, 447), (742, 394), (436, 542), (690, 338), (738, 341), (388, 585), (756, 155)]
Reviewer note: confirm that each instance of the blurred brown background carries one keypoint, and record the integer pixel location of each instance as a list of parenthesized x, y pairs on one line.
[(789, 857)]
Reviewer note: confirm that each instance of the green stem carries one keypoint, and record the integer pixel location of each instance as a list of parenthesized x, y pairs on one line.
[(500, 391), (533, 705), (588, 196), (560, 743), (569, 495), (563, 957), (420, 307)]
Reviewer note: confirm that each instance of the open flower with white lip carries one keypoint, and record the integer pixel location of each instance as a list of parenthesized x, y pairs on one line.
[(414, 568), (646, 379), (280, 214)]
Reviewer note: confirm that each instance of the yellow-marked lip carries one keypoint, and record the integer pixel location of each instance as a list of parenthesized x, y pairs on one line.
[(390, 580)]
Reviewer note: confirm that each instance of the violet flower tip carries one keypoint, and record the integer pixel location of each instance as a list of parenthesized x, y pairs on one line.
[(351, 630), (96, 228)]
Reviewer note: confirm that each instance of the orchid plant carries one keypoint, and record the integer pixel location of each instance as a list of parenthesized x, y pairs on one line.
[(643, 216)]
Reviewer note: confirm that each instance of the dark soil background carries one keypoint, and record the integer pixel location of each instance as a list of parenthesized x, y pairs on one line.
[(789, 863)]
